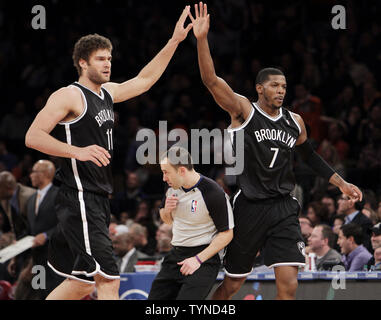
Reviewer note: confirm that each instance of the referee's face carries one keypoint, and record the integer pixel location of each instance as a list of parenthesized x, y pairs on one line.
[(171, 175)]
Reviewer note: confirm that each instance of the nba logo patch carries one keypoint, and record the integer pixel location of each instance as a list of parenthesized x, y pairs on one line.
[(194, 206)]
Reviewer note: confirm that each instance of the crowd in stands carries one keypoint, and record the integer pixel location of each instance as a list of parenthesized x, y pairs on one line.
[(333, 81)]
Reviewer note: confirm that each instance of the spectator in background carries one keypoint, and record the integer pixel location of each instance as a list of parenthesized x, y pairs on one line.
[(143, 217), (126, 252), (164, 231), (371, 214), (42, 220), (338, 221), (330, 203), (320, 242), (306, 227), (355, 255), (13, 203), (309, 107), (353, 214), (128, 200), (377, 260), (140, 236), (317, 213), (163, 247), (336, 133), (376, 244), (329, 154)]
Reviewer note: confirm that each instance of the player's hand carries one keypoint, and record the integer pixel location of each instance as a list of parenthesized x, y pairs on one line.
[(353, 192), (201, 22), (189, 266), (39, 240), (180, 33), (94, 153)]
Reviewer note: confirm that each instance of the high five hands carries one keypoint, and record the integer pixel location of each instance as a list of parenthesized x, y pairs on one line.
[(201, 22), (180, 33)]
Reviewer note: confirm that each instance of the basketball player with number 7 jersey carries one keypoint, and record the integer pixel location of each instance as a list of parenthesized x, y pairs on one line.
[(265, 214), (76, 125)]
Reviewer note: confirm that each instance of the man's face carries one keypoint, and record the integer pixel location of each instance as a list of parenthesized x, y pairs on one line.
[(162, 231), (344, 205), (171, 175), (305, 227), (273, 90), (6, 191), (377, 255), (120, 247), (376, 241), (98, 69), (37, 175), (316, 241), (344, 243)]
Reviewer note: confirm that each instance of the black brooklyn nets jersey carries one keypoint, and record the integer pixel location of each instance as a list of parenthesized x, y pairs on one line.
[(269, 144), (93, 127)]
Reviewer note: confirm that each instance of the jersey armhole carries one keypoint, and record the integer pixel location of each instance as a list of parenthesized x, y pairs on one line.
[(112, 98), (83, 112), (296, 122)]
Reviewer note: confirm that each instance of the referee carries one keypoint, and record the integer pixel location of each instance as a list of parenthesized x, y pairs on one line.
[(202, 221)]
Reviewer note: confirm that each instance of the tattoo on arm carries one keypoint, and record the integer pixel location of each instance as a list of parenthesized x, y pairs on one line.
[(336, 179)]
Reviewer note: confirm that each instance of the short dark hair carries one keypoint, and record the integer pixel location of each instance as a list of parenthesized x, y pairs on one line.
[(327, 233), (178, 157), (86, 45), (264, 74), (353, 230)]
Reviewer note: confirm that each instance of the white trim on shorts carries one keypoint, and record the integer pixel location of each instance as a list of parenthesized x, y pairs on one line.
[(284, 264), (237, 275), (70, 276)]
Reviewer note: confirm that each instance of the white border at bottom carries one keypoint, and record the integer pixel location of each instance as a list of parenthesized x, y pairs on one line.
[(291, 264), (237, 275)]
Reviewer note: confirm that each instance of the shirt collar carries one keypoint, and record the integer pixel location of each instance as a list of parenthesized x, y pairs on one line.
[(351, 216), (44, 190)]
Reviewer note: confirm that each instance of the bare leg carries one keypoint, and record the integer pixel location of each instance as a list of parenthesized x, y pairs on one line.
[(107, 289), (286, 282), (71, 290), (228, 288)]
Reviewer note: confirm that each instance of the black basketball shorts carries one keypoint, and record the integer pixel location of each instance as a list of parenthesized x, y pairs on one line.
[(270, 224), (81, 247)]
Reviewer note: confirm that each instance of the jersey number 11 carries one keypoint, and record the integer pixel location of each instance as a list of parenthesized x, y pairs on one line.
[(109, 139)]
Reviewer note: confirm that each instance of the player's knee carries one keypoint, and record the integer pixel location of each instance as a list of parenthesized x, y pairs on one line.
[(287, 288), (107, 284), (232, 285), (83, 288)]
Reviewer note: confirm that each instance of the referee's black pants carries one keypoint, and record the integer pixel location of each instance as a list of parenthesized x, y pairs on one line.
[(170, 284)]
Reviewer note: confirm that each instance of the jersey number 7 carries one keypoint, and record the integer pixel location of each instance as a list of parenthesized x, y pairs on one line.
[(275, 150)]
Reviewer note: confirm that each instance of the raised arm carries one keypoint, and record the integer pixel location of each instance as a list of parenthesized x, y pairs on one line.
[(62, 105), (238, 106), (320, 166), (151, 73)]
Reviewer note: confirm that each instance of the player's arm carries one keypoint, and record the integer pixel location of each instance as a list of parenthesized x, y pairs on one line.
[(237, 105), (151, 73), (59, 106), (320, 166)]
